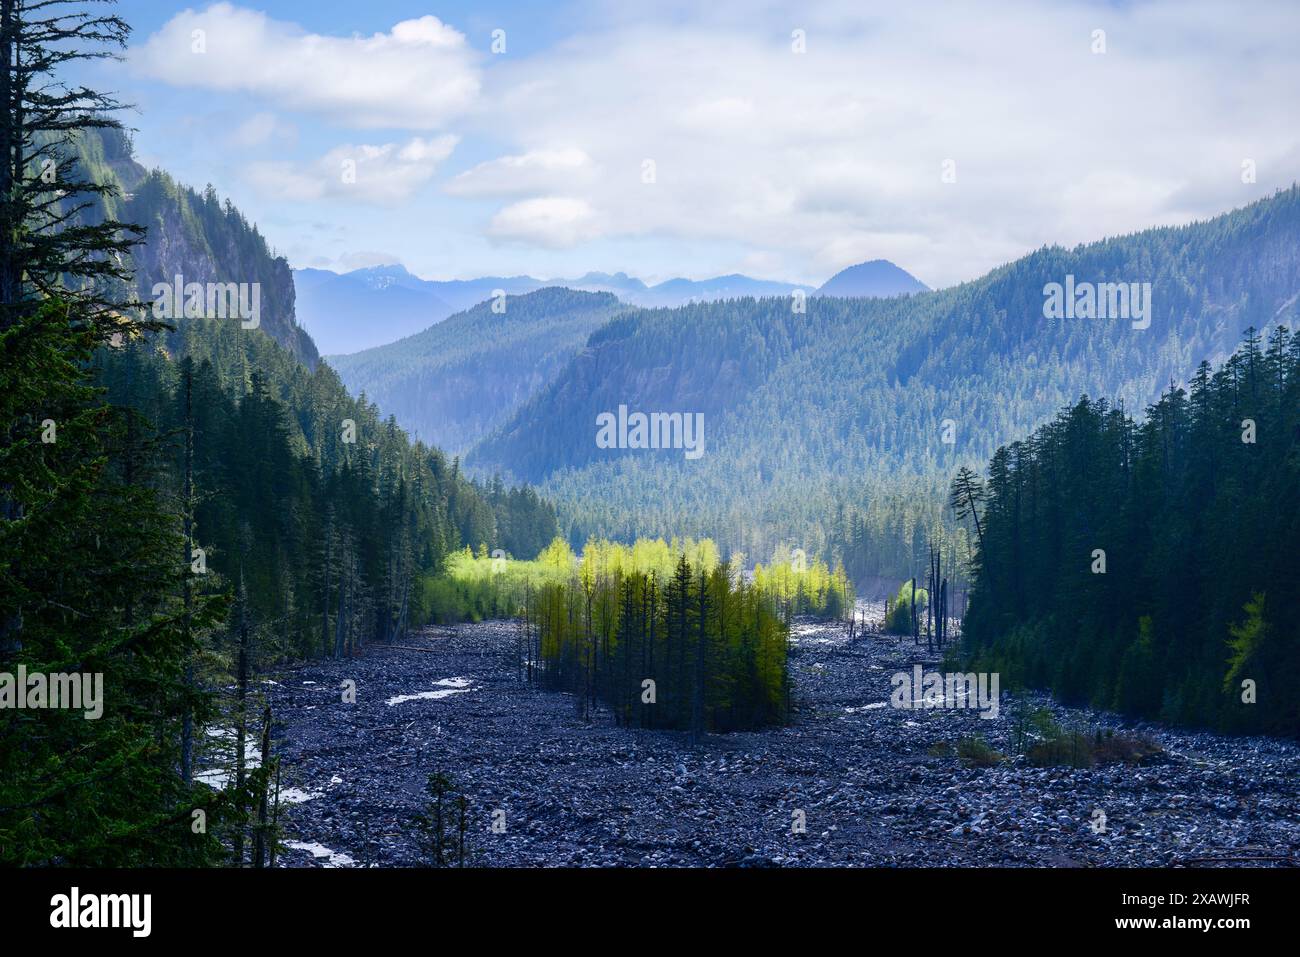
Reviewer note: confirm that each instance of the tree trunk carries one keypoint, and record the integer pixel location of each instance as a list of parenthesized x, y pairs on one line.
[(241, 722), (701, 662), (929, 606), (339, 618), (259, 838), (913, 622), (187, 719)]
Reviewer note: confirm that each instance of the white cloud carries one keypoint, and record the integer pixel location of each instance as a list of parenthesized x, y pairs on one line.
[(796, 163), (262, 128), (553, 221), (419, 75), (385, 175), (834, 156), (727, 112), (539, 170)]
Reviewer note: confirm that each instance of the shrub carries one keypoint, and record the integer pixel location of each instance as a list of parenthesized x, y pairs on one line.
[(976, 752), (1077, 749)]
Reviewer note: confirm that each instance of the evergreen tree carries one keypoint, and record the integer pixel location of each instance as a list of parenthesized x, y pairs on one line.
[(1150, 566)]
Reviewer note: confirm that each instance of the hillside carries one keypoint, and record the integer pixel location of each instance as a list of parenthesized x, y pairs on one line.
[(458, 380), (827, 429), (274, 425), (194, 235)]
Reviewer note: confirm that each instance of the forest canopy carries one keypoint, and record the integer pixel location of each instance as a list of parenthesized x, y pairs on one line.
[(1150, 566)]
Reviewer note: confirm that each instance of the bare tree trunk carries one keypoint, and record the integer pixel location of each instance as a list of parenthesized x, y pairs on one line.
[(938, 582), (943, 607), (929, 606), (460, 843), (340, 617), (528, 632), (405, 606), (916, 637), (588, 693), (187, 718), (241, 722), (274, 843), (654, 598), (259, 837)]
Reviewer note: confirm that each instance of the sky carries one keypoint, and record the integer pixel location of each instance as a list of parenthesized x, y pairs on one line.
[(781, 140)]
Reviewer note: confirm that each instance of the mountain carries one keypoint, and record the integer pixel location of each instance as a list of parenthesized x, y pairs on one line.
[(364, 308), (677, 292), (838, 429), (879, 277), (360, 309), (460, 294), (275, 369), (458, 380), (620, 284), (310, 278), (194, 235)]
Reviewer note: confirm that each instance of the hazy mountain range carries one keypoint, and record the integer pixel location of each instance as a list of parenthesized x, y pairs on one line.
[(351, 311)]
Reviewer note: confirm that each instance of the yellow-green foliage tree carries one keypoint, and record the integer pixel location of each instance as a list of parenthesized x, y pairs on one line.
[(663, 634), (899, 620), (803, 587), (494, 584)]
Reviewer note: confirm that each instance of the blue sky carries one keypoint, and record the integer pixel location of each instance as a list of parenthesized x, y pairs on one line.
[(785, 140)]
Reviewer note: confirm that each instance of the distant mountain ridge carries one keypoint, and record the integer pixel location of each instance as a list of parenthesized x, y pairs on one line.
[(879, 277), (364, 308)]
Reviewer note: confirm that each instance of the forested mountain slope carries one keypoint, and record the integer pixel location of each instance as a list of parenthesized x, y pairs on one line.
[(456, 381), (827, 428), (193, 235), (334, 520)]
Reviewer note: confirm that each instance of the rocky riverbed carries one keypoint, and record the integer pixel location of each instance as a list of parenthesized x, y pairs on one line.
[(860, 776)]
